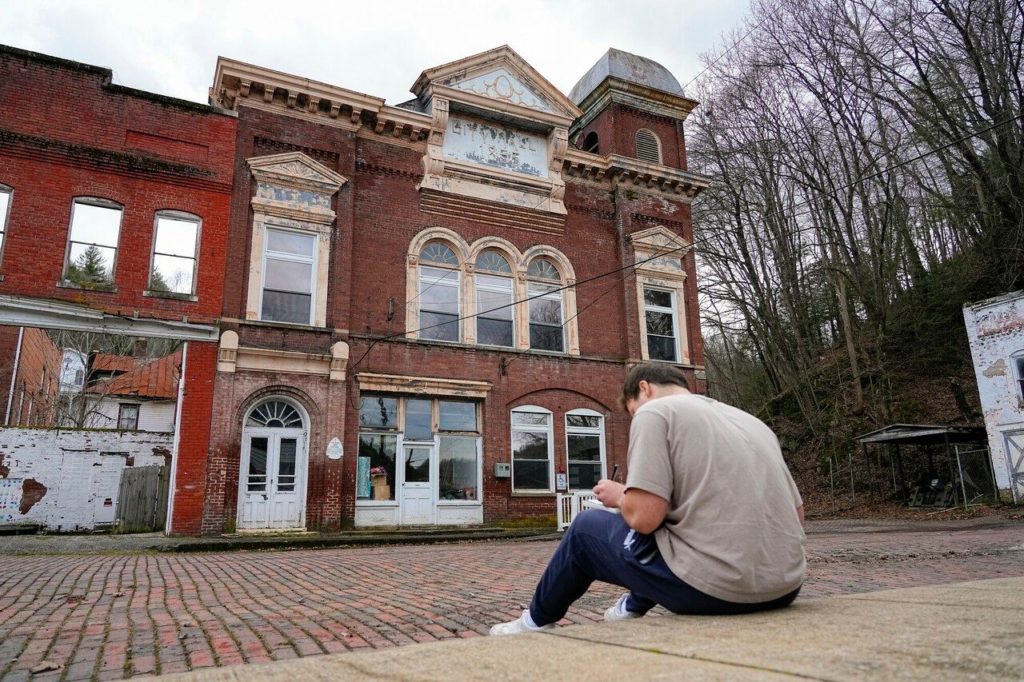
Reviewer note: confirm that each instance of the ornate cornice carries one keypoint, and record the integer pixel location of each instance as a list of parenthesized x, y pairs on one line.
[(238, 84), (614, 170)]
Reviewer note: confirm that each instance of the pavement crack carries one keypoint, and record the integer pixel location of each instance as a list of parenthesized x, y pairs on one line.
[(691, 657)]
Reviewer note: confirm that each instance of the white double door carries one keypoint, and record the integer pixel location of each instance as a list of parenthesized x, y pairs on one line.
[(272, 480), (419, 476)]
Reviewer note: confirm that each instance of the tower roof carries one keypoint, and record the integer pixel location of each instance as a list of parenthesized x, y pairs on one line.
[(627, 67)]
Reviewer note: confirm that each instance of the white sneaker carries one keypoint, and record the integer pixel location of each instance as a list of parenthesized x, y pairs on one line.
[(523, 623), (617, 611)]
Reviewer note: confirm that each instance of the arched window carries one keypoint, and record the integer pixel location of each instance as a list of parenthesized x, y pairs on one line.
[(648, 146), (591, 144), (584, 448), (275, 414), (494, 298), (438, 293), (544, 290), (532, 448)]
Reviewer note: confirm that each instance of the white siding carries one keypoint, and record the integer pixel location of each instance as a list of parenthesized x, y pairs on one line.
[(995, 329)]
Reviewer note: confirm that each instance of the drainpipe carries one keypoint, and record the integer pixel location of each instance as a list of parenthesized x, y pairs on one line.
[(177, 440), (14, 377)]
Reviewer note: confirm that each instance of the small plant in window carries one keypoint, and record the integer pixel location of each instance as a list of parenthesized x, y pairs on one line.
[(378, 471)]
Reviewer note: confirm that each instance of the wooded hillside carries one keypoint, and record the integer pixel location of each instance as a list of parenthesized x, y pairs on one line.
[(867, 161)]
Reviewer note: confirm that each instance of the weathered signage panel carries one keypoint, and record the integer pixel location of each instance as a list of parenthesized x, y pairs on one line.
[(492, 144)]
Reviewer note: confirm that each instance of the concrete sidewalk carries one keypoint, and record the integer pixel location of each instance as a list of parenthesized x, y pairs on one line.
[(970, 630)]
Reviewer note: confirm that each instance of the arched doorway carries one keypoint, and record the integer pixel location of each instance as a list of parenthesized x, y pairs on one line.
[(272, 478)]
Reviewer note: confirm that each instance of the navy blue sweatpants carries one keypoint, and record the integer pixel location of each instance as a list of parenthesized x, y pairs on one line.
[(600, 546)]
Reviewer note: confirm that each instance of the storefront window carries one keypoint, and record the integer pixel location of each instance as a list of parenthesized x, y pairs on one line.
[(417, 420), (375, 468), (457, 416), (378, 412), (458, 467)]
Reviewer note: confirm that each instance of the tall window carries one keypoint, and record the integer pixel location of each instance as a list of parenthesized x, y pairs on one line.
[(92, 243), (494, 326), (458, 457), (584, 447), (660, 317), (439, 293), (5, 209), (174, 253), (288, 276), (532, 448), (128, 417), (378, 443), (544, 292)]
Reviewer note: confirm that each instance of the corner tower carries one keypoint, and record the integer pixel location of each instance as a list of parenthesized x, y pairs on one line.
[(632, 107)]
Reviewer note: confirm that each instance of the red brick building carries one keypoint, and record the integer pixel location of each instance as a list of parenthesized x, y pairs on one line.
[(429, 308), (114, 209)]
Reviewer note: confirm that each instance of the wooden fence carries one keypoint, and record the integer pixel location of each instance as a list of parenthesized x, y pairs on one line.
[(142, 499)]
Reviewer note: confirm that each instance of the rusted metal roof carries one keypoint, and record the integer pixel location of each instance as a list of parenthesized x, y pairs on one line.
[(147, 378), (627, 67), (105, 362)]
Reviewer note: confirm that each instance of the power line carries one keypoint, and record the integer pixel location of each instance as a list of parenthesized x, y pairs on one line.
[(578, 283)]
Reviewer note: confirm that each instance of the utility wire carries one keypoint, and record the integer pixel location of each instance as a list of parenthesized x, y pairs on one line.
[(593, 278)]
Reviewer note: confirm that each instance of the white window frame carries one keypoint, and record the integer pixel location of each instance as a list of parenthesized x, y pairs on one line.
[(673, 310), (5, 218), (533, 409), (182, 217), (1017, 361), (100, 203), (444, 281), (294, 258), (509, 290), (120, 415), (585, 431), (532, 295)]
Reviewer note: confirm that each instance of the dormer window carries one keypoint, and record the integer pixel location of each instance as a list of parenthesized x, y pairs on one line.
[(648, 146)]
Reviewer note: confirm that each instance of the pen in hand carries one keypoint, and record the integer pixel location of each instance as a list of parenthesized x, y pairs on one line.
[(615, 472)]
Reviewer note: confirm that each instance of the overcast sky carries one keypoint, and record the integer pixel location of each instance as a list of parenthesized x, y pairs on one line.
[(376, 47)]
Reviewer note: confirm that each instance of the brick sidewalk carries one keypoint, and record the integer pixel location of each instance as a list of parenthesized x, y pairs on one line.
[(112, 617)]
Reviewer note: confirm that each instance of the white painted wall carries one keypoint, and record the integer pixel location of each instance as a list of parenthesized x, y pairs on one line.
[(995, 328), (81, 485), (153, 416)]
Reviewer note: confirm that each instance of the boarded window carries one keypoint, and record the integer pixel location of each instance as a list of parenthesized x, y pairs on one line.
[(648, 147)]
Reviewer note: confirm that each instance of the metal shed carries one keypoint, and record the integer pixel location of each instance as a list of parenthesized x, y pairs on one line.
[(955, 442)]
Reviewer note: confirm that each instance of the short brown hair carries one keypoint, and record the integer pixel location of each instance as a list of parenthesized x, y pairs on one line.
[(652, 373)]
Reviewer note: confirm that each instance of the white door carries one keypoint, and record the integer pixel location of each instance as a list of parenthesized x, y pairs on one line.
[(417, 485), (271, 490)]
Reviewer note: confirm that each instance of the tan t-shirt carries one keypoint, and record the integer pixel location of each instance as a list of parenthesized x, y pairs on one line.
[(732, 529)]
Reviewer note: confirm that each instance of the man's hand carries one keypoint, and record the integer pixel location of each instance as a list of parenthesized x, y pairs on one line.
[(609, 492)]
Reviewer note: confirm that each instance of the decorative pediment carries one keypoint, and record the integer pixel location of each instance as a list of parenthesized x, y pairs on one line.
[(504, 85), (295, 169), (658, 248), (294, 186), (497, 78)]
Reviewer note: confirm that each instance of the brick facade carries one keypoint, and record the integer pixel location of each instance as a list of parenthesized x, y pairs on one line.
[(67, 132), (379, 213)]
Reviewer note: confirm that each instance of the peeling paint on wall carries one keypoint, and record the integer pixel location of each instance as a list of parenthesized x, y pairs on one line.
[(996, 369), (4, 469), (63, 479), (32, 491)]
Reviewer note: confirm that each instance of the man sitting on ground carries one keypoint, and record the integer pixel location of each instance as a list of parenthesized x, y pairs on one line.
[(710, 523)]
